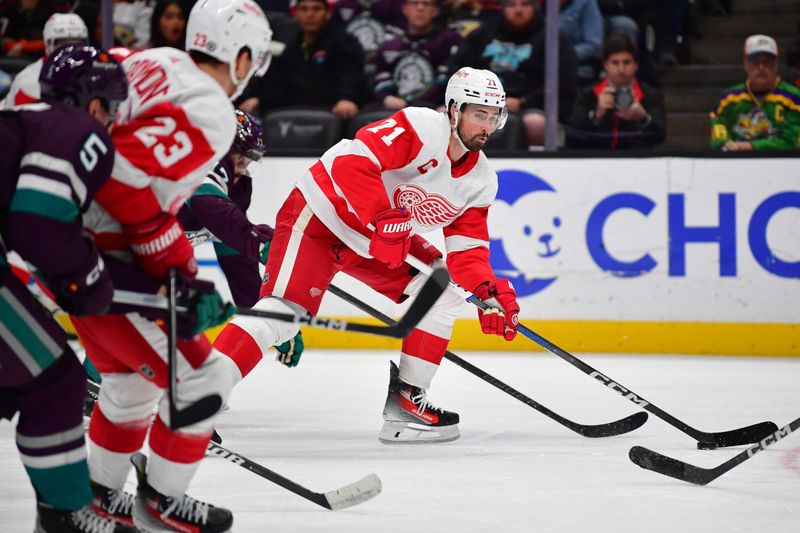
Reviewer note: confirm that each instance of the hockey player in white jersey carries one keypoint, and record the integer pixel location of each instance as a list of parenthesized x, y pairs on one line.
[(356, 210), (177, 122), (60, 28)]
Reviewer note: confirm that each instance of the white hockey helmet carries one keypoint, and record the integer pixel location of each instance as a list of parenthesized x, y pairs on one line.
[(473, 86), (221, 28), (62, 27)]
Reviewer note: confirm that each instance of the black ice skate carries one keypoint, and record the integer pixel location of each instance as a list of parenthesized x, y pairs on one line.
[(154, 512), (410, 418), (114, 504), (84, 520)]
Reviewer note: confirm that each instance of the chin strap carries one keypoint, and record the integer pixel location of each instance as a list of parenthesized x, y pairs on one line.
[(454, 132)]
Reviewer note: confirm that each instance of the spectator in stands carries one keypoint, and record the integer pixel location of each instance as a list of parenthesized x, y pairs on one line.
[(622, 15), (763, 113), (620, 112), (514, 49), (412, 69), (132, 23), (21, 25), (372, 22), (322, 67), (466, 16), (793, 62), (168, 25), (582, 24)]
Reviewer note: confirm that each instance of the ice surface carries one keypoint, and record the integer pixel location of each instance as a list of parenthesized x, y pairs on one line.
[(513, 469)]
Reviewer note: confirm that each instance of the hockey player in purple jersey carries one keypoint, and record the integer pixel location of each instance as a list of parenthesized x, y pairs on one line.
[(56, 155), (216, 210)]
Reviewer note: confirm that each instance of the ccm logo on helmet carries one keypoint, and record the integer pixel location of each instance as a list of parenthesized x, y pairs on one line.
[(494, 95)]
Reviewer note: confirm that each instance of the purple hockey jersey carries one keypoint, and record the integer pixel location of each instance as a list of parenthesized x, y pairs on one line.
[(216, 211), (54, 158)]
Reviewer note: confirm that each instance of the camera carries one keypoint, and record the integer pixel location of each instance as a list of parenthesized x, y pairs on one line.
[(623, 97)]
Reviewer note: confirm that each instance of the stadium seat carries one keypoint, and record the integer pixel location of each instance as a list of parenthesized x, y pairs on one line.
[(301, 129), (362, 119)]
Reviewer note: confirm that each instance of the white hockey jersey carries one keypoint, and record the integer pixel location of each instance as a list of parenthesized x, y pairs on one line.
[(175, 125), (25, 87), (403, 161)]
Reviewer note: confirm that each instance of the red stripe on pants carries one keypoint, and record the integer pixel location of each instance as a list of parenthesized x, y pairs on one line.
[(175, 446), (118, 438), (425, 346), (240, 347)]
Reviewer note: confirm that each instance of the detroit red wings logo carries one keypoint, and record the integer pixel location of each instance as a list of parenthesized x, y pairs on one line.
[(427, 210)]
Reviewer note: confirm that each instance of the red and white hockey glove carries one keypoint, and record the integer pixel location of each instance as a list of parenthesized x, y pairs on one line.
[(499, 293), (392, 237), (160, 244)]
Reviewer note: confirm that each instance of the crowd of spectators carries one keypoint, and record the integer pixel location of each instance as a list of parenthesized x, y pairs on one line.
[(354, 56)]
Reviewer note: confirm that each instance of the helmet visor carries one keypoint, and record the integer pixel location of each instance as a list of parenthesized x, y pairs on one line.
[(491, 118)]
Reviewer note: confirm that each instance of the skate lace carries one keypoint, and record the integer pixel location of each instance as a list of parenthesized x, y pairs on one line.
[(420, 399), (91, 522), (120, 502), (187, 508)]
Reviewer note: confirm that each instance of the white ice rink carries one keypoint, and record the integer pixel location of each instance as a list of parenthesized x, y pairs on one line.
[(513, 469)]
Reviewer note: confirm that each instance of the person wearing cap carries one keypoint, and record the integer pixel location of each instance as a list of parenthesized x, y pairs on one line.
[(763, 113)]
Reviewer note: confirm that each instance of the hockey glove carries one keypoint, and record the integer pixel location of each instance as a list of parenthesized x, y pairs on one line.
[(498, 293), (290, 351), (206, 309), (391, 239), (258, 235), (88, 291), (160, 244)]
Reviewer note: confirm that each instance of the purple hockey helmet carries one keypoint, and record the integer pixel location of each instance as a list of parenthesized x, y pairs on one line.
[(249, 140), (75, 74)]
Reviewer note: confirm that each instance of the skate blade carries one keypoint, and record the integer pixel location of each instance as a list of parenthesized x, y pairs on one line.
[(411, 433)]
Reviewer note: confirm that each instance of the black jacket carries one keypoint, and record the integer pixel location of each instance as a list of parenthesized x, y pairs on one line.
[(329, 70), (612, 132)]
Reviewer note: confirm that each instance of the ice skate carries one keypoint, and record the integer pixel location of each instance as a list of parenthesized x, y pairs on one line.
[(114, 504), (154, 512), (83, 520), (410, 418)]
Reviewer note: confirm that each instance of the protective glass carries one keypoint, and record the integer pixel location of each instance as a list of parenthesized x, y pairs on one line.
[(489, 120)]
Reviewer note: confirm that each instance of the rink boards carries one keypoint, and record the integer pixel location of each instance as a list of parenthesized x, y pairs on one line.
[(657, 255)]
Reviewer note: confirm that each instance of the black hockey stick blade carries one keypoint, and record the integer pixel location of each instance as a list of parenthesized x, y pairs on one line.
[(747, 434), (347, 496), (430, 292), (618, 427), (203, 408), (736, 437), (650, 460)]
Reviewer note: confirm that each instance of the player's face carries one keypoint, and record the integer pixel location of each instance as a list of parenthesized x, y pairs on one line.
[(621, 68), (476, 123), (762, 71), (240, 164)]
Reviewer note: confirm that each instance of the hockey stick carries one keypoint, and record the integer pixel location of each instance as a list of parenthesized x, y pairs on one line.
[(618, 427), (430, 292), (650, 460), (705, 440), (206, 406), (347, 496)]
